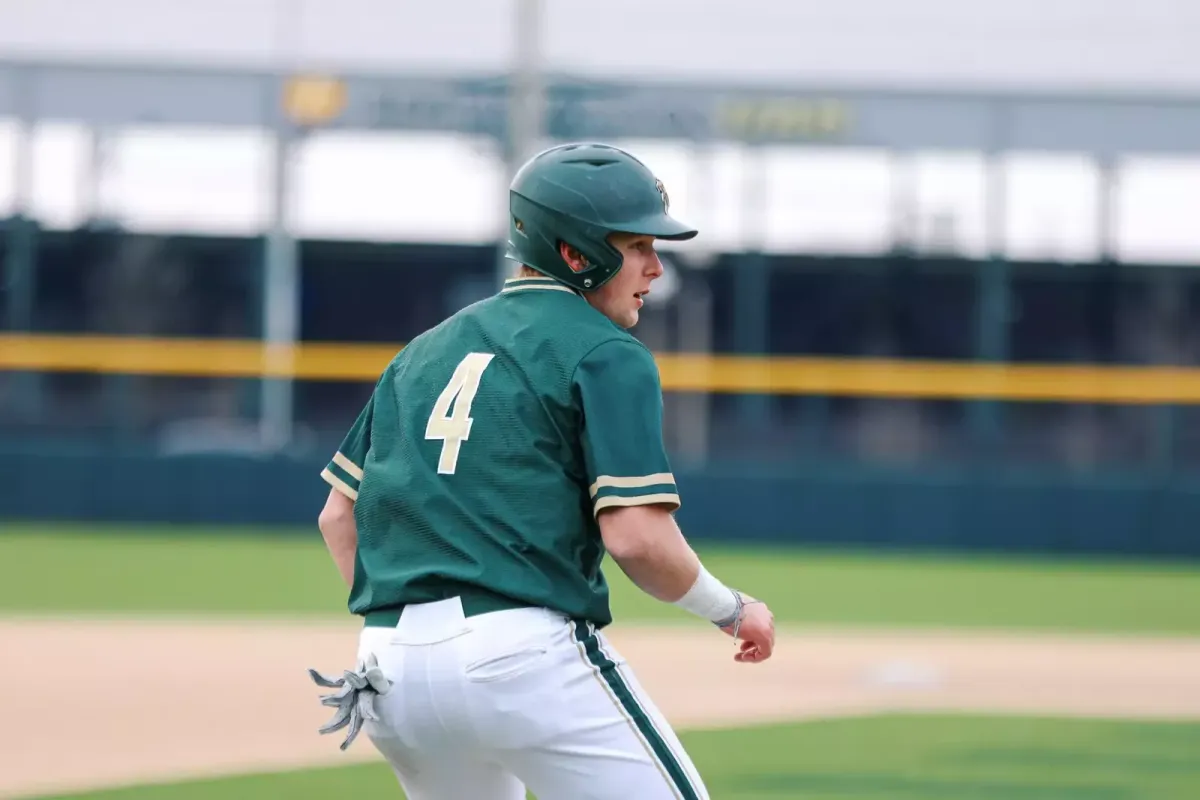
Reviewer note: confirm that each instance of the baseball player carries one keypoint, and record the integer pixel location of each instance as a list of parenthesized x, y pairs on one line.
[(501, 455)]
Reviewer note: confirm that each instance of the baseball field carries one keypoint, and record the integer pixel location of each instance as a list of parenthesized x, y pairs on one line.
[(138, 664)]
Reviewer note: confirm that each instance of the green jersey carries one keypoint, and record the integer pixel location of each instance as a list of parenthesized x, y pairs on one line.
[(488, 447)]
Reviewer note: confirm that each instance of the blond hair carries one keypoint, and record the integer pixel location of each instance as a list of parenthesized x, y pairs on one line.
[(528, 272)]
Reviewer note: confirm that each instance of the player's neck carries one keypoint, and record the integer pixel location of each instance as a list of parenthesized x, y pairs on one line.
[(528, 272)]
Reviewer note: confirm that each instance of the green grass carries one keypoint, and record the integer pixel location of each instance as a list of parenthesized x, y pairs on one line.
[(881, 758), (236, 571), (232, 571)]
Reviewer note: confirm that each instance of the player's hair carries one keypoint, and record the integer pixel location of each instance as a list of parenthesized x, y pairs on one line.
[(523, 271)]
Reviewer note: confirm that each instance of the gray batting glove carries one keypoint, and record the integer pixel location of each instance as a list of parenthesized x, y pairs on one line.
[(355, 700)]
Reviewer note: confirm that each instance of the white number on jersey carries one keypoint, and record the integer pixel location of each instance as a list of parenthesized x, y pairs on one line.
[(454, 427)]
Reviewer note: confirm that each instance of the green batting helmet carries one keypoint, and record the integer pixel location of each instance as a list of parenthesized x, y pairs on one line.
[(578, 194)]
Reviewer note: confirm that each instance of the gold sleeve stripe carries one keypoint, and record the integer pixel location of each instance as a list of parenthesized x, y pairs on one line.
[(353, 470), (339, 484), (641, 500), (609, 482)]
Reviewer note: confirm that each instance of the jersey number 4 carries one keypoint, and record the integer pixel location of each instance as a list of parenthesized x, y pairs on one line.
[(453, 427)]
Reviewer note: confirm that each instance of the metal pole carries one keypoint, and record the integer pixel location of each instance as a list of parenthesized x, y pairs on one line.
[(752, 282), (903, 202), (21, 271), (281, 298), (22, 242), (91, 173), (1106, 206), (23, 146), (992, 321), (694, 309), (991, 333), (281, 279), (526, 110)]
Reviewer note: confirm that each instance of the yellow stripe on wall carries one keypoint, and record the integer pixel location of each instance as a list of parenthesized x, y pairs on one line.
[(930, 380), (205, 358), (680, 372)]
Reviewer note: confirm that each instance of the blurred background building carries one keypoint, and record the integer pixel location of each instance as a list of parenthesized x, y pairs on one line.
[(933, 238)]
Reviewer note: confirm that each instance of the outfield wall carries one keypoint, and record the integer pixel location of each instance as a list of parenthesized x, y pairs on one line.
[(900, 399), (942, 509)]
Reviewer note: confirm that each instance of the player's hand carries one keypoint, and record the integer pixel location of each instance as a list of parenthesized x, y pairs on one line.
[(756, 634)]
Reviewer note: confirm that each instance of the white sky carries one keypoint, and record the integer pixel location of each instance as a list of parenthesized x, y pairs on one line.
[(1032, 44), (450, 189), (427, 188)]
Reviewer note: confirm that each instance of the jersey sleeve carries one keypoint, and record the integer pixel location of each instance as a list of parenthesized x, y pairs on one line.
[(344, 471), (620, 393)]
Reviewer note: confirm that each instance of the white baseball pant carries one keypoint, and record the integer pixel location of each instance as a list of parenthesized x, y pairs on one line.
[(486, 706)]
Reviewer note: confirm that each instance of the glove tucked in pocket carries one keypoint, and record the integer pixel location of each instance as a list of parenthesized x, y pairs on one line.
[(355, 700)]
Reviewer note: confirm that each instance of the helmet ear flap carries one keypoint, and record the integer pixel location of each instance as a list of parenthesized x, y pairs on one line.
[(575, 260), (595, 261), (536, 236)]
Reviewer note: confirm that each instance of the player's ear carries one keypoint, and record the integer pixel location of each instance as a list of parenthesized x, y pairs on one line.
[(576, 260)]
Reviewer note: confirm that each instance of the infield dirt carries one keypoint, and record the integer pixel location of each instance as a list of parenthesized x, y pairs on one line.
[(106, 703)]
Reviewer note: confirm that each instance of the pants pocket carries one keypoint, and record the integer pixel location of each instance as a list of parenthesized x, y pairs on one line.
[(506, 665)]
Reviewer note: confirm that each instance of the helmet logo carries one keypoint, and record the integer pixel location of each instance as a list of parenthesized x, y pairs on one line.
[(662, 190)]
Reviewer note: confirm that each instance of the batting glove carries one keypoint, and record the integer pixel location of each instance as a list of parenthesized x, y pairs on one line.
[(355, 700)]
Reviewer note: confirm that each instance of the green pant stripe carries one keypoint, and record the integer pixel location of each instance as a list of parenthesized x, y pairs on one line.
[(611, 676)]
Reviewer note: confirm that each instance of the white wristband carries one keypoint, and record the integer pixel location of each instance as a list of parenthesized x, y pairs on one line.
[(709, 598)]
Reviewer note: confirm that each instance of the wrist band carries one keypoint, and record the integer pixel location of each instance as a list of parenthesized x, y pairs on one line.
[(734, 619), (712, 600)]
